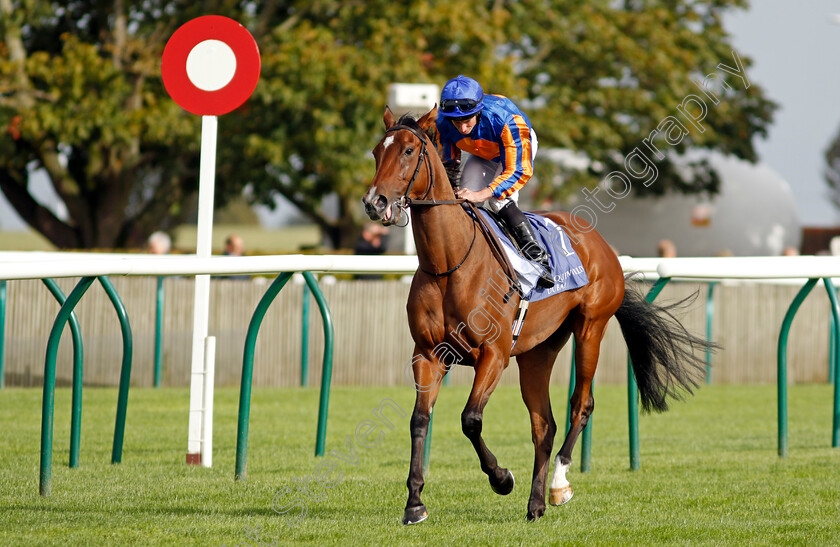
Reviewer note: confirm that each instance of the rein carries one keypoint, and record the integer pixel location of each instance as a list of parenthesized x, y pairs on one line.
[(422, 157), (450, 270), (405, 202)]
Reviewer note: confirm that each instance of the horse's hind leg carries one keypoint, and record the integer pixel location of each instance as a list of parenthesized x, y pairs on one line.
[(588, 335), (534, 374), (488, 372)]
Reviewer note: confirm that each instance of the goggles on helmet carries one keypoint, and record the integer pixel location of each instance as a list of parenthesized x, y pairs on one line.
[(464, 106)]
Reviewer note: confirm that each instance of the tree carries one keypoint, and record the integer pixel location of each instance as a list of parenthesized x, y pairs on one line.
[(81, 97), (607, 75), (325, 74)]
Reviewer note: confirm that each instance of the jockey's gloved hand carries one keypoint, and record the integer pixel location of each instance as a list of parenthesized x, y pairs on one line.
[(453, 171)]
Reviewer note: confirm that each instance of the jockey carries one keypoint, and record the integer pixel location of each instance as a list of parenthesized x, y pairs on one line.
[(502, 146)]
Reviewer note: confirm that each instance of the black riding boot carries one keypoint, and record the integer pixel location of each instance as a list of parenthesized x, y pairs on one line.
[(527, 241)]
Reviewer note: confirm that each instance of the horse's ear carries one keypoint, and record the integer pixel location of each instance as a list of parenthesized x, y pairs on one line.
[(389, 118), (429, 119)]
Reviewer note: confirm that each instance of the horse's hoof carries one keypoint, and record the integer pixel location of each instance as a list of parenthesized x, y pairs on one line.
[(559, 496), (535, 514), (505, 487), (415, 515)]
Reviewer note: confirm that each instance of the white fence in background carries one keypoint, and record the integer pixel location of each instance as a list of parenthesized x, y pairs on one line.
[(372, 339)]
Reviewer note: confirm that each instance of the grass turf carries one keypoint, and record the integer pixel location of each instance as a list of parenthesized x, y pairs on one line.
[(709, 473)]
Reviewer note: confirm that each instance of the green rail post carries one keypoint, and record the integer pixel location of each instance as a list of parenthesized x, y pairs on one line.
[(48, 402), (633, 416), (248, 369), (710, 316), (2, 333), (125, 370), (832, 347), (248, 373), (326, 371), (633, 389), (586, 440), (304, 339), (160, 300), (835, 312), (781, 374), (78, 367)]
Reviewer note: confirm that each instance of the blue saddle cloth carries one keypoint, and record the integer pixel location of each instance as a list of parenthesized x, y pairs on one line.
[(566, 268)]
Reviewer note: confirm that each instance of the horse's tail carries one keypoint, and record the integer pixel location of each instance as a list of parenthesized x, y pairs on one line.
[(662, 351)]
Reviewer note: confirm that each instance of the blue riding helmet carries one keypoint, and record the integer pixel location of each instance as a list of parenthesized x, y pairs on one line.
[(461, 97)]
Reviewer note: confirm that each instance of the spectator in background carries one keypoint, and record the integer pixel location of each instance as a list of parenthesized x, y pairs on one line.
[(790, 251), (234, 246), (159, 243), (666, 249), (372, 241)]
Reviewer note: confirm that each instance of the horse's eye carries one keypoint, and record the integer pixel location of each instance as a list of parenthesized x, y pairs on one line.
[(409, 151)]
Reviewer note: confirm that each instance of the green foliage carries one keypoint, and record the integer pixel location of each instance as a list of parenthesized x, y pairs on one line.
[(605, 78), (81, 82), (81, 97)]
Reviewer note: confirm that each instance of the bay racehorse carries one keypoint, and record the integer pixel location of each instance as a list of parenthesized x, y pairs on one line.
[(460, 311)]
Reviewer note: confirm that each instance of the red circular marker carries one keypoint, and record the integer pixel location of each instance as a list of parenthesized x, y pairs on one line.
[(210, 65)]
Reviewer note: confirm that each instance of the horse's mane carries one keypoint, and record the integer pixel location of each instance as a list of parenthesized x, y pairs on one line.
[(408, 120)]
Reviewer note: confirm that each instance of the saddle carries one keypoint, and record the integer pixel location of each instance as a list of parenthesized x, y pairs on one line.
[(565, 266)]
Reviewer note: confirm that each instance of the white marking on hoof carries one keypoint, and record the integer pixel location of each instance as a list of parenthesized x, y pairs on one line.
[(560, 496), (558, 480), (560, 490)]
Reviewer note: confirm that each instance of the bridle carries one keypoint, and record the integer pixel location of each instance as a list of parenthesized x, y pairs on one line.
[(422, 156), (405, 202)]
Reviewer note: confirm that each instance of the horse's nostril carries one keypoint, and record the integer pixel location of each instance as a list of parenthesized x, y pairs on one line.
[(374, 207)]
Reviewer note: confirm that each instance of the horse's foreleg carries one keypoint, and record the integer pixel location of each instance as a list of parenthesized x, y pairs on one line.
[(534, 375), (587, 349), (488, 372), (427, 379)]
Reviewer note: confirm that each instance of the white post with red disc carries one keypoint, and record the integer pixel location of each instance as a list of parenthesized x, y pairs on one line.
[(210, 66), (198, 443)]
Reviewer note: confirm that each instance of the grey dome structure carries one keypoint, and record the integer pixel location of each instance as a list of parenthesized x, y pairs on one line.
[(753, 215)]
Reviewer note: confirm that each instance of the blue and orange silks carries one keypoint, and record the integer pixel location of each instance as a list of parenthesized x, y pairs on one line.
[(503, 135)]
